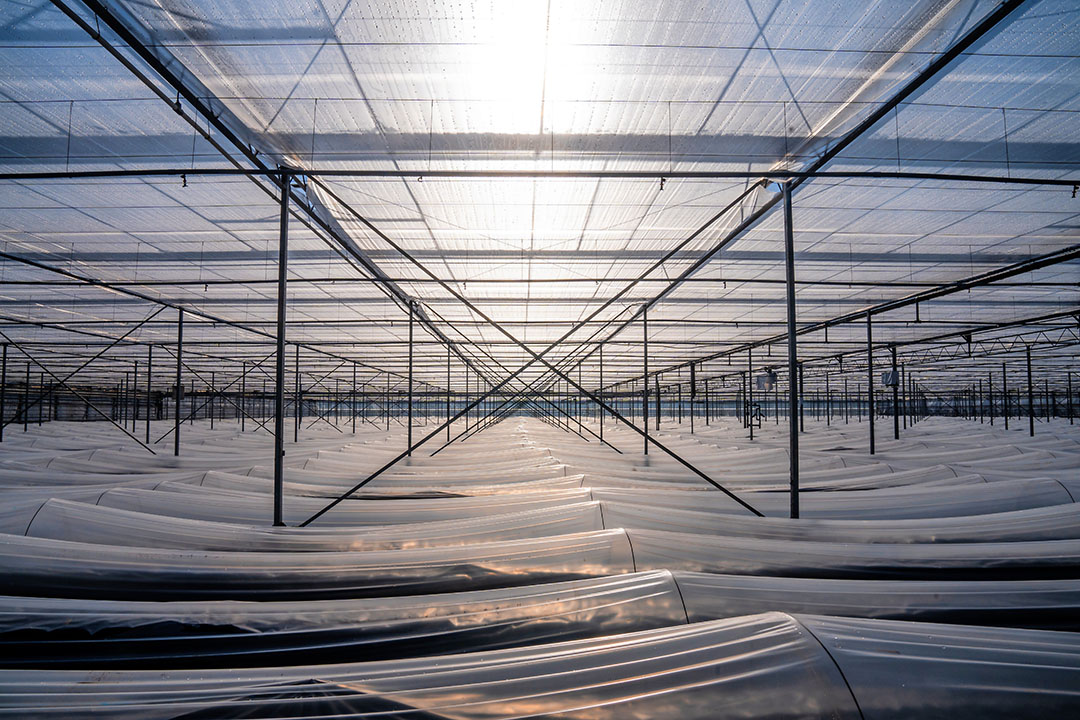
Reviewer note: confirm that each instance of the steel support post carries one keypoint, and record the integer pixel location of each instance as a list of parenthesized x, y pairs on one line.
[(801, 400), (982, 404), (408, 433), (645, 375), (750, 391), (870, 378), (600, 392), (134, 396), (298, 398), (577, 401), (1068, 398), (352, 397), (658, 407), (178, 388), (3, 392), (243, 395), (904, 400), (828, 401), (279, 369), (707, 404), (678, 401), (213, 385), (846, 408), (448, 415), (912, 400), (1046, 400), (26, 399), (693, 395), (1030, 394), (1004, 396), (895, 396), (794, 368)]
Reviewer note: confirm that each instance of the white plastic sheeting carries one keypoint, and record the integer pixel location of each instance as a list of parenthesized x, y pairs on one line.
[(759, 666), (618, 584), (79, 633)]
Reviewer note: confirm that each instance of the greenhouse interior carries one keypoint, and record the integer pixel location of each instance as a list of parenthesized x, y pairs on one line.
[(591, 359)]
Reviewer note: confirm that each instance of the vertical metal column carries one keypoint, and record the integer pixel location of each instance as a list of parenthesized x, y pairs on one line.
[(912, 400), (213, 389), (990, 396), (3, 392), (828, 401), (656, 386), (645, 376), (693, 395), (794, 368), (982, 405), (26, 400), (847, 413), (448, 415), (149, 384), (1068, 398), (297, 397), (1031, 395), (578, 401), (178, 388), (678, 401), (750, 391), (904, 398), (707, 408), (352, 398), (870, 378), (279, 376), (744, 410), (243, 395), (800, 399), (895, 396), (408, 434), (134, 396), (600, 410), (1046, 398), (1005, 396)]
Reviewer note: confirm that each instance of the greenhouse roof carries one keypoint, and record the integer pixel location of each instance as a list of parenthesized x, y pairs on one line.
[(537, 173)]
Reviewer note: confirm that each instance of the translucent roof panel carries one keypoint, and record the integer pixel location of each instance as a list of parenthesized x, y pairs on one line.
[(555, 164)]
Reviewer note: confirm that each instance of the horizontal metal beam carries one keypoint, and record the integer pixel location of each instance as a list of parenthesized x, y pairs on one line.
[(548, 174), (509, 281)]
